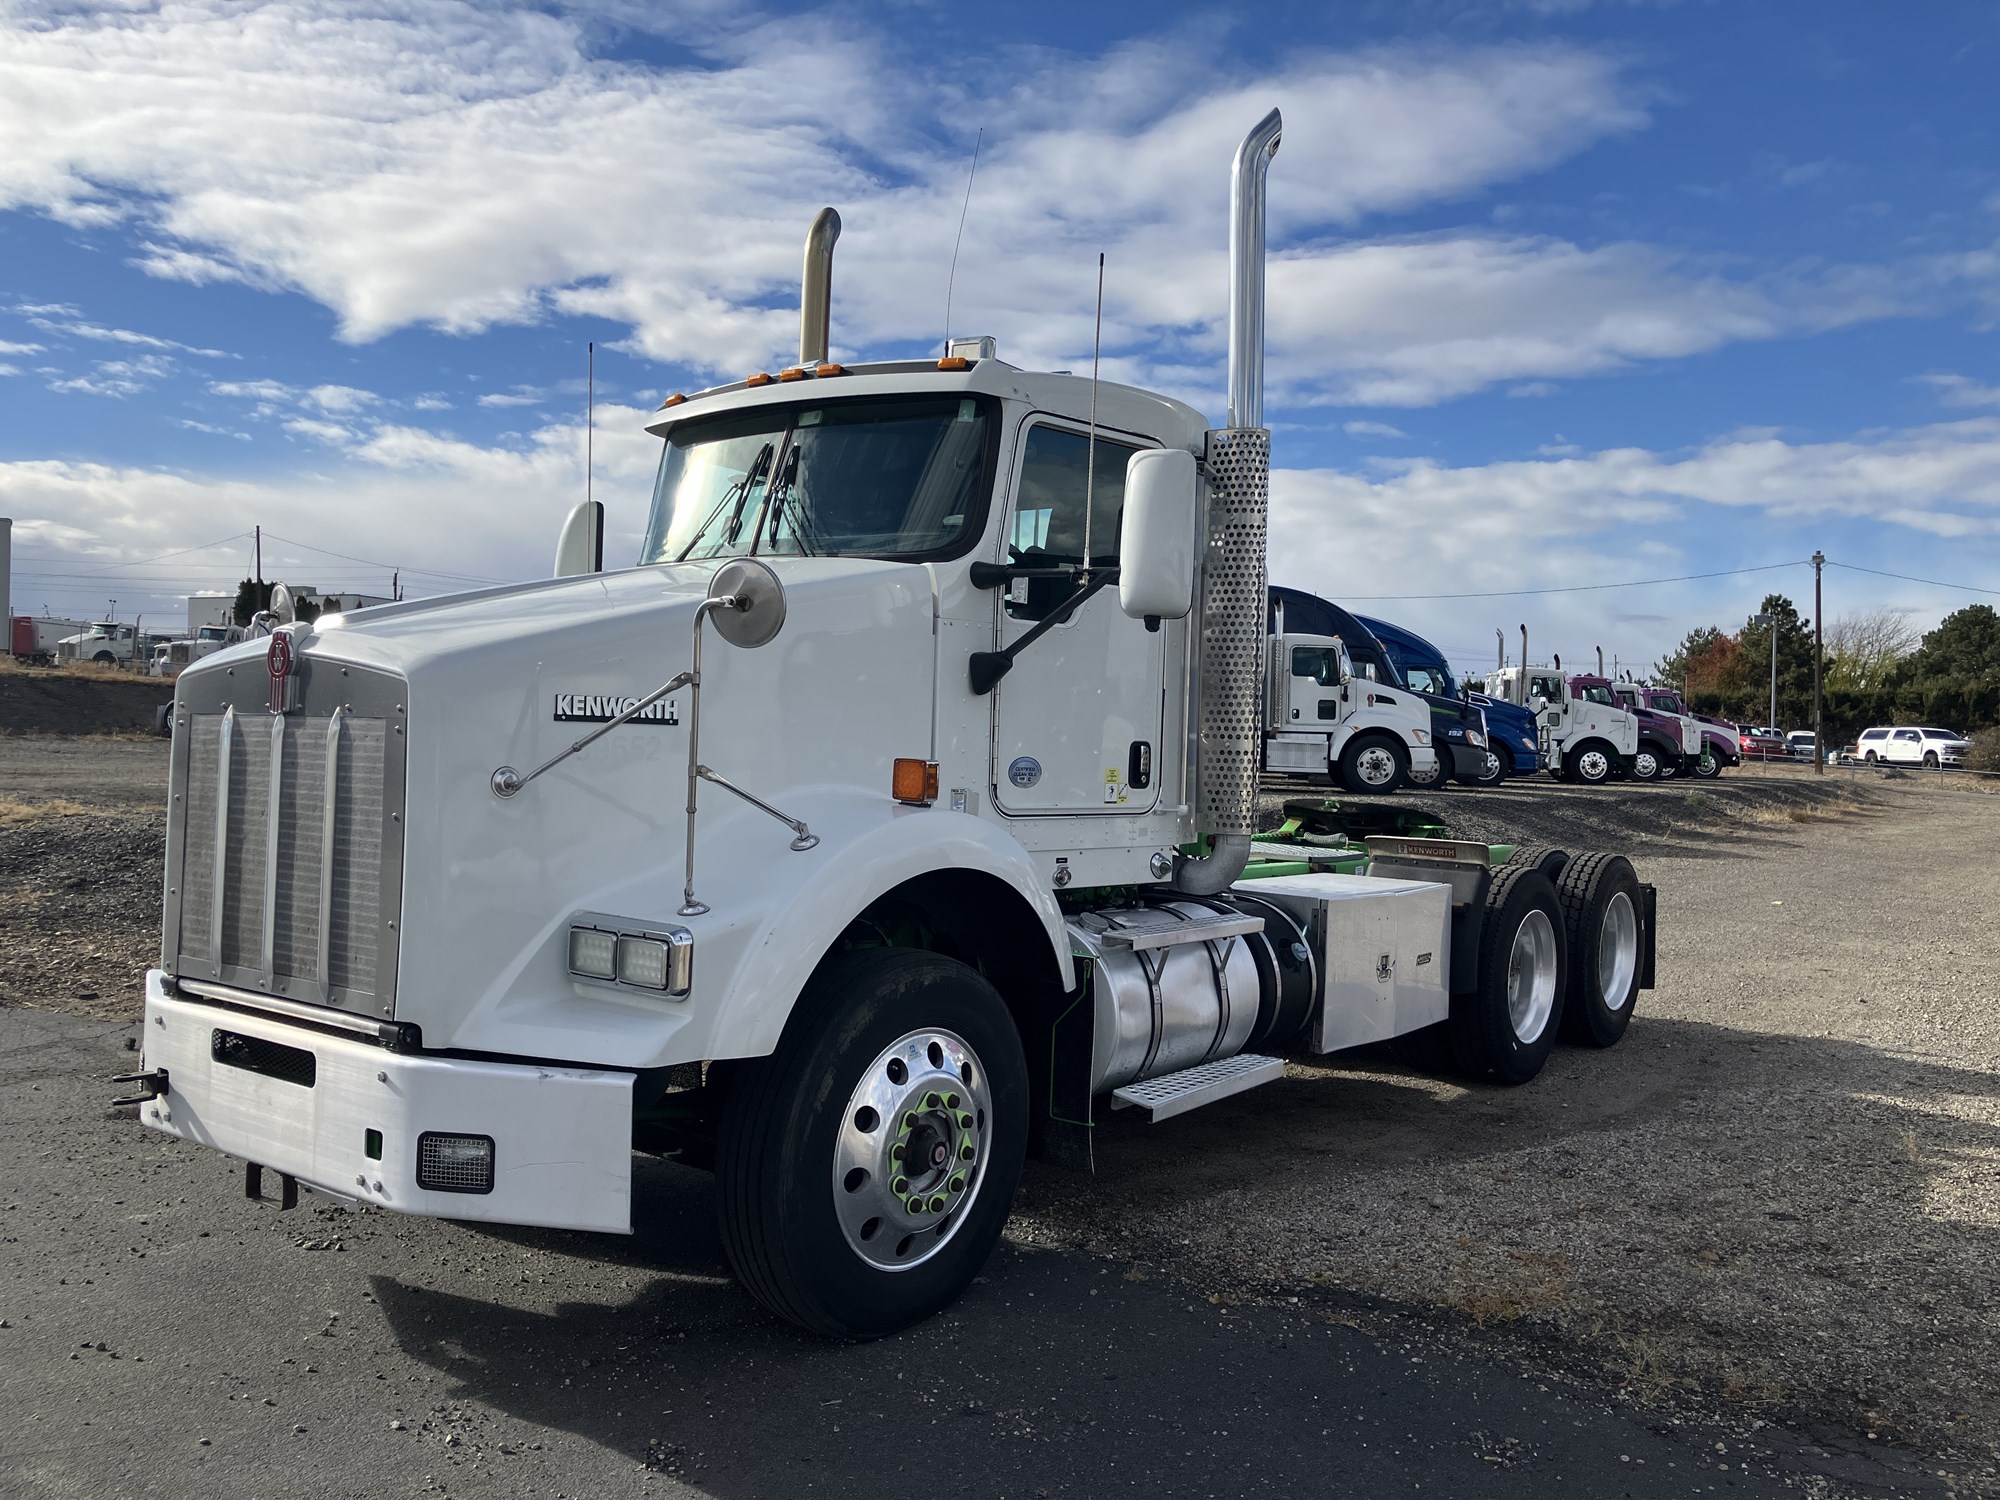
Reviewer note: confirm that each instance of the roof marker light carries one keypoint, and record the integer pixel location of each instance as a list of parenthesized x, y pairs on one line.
[(760, 378)]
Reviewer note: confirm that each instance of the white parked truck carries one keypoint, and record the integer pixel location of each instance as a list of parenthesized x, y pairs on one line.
[(1585, 736), (893, 817), (107, 643), (1670, 744), (1324, 718)]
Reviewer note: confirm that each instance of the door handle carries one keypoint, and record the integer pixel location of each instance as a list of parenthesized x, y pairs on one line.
[(1139, 766)]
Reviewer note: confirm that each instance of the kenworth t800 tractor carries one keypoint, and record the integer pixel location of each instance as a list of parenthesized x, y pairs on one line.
[(895, 812)]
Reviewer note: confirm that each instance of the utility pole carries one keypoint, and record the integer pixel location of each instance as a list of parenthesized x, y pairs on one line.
[(1770, 623), (1819, 661), (260, 557)]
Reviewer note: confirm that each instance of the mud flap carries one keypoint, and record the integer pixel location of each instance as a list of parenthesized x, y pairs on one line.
[(1648, 917)]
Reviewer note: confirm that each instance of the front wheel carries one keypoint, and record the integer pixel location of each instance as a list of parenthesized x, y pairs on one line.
[(1709, 766), (1930, 760), (105, 659), (864, 1171), (1435, 777), (1492, 771), (1374, 763), (1645, 765), (1591, 764)]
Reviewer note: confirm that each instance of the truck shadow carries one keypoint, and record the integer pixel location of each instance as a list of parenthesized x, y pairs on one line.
[(1801, 1167)]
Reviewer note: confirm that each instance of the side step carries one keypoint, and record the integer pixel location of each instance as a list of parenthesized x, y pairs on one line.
[(1176, 1093)]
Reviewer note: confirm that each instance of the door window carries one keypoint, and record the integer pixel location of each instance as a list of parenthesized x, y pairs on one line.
[(1907, 734), (1056, 473)]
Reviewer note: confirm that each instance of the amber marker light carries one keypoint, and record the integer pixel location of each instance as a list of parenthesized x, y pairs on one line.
[(823, 371), (955, 362), (760, 378), (914, 782), (674, 400), (796, 372)]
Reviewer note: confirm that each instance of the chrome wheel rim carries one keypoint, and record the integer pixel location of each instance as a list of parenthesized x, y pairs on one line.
[(1492, 769), (1425, 778), (1617, 951), (912, 1149), (1644, 766), (1593, 766), (1531, 976), (1708, 765), (1375, 766)]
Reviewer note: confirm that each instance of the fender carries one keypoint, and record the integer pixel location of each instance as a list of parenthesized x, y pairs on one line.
[(769, 924)]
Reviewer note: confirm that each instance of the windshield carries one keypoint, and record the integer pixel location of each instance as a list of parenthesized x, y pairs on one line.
[(1944, 734), (213, 633), (1667, 703), (1600, 695), (901, 477), (102, 632)]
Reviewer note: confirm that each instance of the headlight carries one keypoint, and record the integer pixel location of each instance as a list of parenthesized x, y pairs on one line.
[(1423, 736), (1475, 739)]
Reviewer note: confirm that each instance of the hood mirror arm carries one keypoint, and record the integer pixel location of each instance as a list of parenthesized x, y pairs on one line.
[(507, 781)]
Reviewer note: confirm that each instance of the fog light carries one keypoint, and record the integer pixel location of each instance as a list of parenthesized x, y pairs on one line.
[(455, 1163), (593, 954)]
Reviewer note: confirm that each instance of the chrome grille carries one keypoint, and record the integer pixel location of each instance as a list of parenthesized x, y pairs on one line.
[(273, 886)]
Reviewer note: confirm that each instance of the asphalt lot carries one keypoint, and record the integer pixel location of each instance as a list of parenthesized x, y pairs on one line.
[(1767, 1221)]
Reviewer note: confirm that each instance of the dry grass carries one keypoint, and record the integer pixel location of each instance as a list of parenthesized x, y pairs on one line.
[(21, 810), (88, 671), (1818, 812)]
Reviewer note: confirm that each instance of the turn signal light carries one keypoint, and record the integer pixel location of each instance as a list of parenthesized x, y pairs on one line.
[(760, 378), (955, 362), (915, 782)]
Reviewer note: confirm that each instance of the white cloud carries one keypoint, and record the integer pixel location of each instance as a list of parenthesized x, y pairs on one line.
[(1630, 513), (117, 377), (341, 398), (209, 427), (98, 333), (12, 348), (1958, 390), (1372, 429), (450, 166), (509, 398)]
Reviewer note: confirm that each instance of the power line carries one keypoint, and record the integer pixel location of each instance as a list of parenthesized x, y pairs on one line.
[(1580, 588), (143, 562), (1968, 588), (376, 563)]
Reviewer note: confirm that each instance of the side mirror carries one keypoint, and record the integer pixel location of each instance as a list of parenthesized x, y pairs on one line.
[(580, 548), (1156, 535), (283, 605)]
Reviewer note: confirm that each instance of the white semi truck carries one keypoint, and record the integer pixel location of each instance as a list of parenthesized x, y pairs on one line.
[(893, 817), (1322, 718), (1585, 735)]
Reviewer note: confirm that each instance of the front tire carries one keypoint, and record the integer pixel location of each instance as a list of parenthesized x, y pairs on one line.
[(1493, 772), (1645, 765), (1505, 1028), (1591, 763), (1709, 766), (105, 659), (1601, 906), (827, 1216), (1374, 763)]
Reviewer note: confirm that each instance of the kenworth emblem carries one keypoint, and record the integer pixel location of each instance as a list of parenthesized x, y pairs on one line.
[(602, 708), (284, 683)]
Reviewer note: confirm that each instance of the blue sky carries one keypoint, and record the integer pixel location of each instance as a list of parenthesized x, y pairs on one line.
[(1562, 293)]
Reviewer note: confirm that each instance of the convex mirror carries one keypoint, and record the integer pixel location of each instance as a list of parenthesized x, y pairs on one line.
[(759, 611), (1156, 535)]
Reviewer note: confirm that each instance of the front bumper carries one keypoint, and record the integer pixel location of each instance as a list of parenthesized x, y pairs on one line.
[(562, 1137)]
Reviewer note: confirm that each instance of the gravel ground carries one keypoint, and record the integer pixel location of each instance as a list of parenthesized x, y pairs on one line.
[(1780, 1194), (1777, 1202)]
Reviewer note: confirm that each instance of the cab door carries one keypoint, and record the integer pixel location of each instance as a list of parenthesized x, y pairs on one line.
[(1077, 719)]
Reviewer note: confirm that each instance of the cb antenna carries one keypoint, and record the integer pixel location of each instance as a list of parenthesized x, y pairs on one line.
[(951, 279), (1090, 452), (589, 416)]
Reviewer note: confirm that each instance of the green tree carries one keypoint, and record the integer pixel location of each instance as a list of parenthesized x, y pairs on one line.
[(1966, 644), (251, 596), (1696, 645), (1791, 638)]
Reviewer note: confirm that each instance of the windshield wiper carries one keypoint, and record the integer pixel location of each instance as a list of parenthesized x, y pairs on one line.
[(782, 504), (733, 499)]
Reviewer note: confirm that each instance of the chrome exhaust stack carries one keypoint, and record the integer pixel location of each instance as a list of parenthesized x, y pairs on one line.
[(1229, 683), (816, 288)]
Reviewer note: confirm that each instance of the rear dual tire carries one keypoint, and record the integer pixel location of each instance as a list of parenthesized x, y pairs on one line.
[(1505, 1027), (1601, 911)]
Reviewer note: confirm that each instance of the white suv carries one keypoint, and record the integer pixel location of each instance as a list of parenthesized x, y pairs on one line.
[(1913, 746)]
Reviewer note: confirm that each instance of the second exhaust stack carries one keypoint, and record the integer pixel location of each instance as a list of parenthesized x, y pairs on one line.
[(816, 288)]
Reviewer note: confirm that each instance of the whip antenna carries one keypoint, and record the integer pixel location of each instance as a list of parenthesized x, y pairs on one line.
[(589, 416), (1090, 453), (951, 279)]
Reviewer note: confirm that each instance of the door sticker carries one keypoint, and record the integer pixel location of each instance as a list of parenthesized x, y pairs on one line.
[(1025, 771)]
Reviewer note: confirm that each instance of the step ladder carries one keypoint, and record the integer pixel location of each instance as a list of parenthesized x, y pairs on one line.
[(1176, 1093)]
